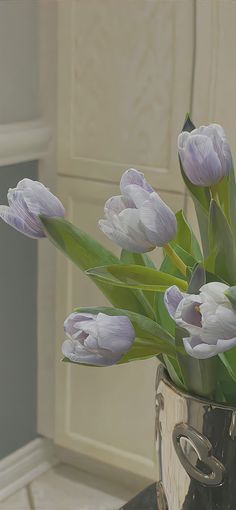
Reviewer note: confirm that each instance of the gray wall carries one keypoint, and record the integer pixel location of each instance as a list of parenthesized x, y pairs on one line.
[(18, 346), (19, 102), (19, 60)]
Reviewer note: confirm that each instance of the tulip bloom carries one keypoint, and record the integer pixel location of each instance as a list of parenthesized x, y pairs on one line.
[(205, 154), (138, 220), (26, 202), (97, 339), (207, 316)]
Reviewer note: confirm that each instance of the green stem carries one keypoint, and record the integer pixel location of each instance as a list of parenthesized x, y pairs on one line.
[(214, 194), (175, 259)]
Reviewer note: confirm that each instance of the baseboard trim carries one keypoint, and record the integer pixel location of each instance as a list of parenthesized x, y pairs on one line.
[(22, 466), (91, 465)]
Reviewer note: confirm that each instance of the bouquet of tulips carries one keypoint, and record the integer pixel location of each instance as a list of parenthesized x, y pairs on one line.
[(183, 313)]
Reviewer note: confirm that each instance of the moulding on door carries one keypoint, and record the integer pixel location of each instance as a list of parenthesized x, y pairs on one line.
[(23, 141), (22, 466)]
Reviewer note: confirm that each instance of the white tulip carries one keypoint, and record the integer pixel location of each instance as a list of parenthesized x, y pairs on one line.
[(26, 202), (138, 220), (205, 154), (208, 316), (97, 339)]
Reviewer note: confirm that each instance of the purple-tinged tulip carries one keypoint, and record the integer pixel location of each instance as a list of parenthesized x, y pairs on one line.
[(138, 220), (208, 317), (205, 154), (26, 202), (97, 339)]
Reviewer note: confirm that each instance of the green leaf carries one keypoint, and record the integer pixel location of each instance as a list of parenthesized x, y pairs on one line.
[(221, 189), (169, 266), (198, 279), (223, 256), (186, 257), (226, 383), (82, 249), (163, 316), (133, 276), (85, 252), (185, 237), (201, 198), (232, 201), (141, 259), (231, 295), (199, 375), (174, 370), (229, 360), (146, 329), (140, 350), (188, 124)]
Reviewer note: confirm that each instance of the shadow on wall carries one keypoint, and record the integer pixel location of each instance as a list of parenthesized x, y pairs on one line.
[(18, 315)]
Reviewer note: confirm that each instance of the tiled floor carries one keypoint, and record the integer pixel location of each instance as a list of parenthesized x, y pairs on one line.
[(66, 488)]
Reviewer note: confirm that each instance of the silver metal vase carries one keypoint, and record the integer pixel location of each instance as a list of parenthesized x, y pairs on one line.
[(196, 451), (196, 445)]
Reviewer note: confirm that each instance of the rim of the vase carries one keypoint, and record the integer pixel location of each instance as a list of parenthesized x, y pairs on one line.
[(162, 375)]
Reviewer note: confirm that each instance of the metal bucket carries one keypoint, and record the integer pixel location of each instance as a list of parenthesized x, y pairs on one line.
[(196, 448)]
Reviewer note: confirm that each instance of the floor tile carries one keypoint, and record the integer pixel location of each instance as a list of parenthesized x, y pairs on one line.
[(19, 501), (66, 488)]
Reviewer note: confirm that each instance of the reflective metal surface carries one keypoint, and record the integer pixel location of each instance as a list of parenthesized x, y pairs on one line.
[(196, 448)]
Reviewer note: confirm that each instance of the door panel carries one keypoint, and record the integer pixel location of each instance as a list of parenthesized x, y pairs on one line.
[(105, 413), (125, 75)]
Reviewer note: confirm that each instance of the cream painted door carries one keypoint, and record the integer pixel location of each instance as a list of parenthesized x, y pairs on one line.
[(124, 79), (107, 414), (125, 85), (128, 71)]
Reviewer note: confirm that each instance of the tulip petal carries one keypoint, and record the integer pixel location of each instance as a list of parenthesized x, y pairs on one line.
[(84, 356), (97, 339), (196, 348), (188, 315), (158, 220), (26, 202), (72, 322), (139, 220), (14, 220), (129, 222), (40, 200), (217, 323), (220, 144), (115, 333), (19, 207), (116, 205), (201, 163), (125, 231), (132, 176), (172, 299), (214, 290), (137, 194)]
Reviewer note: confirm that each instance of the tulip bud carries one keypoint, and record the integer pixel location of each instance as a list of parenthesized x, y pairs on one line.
[(208, 316), (205, 154), (138, 220), (26, 202), (97, 339)]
